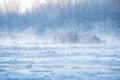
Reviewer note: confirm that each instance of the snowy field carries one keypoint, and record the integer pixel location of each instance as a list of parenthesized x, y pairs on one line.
[(68, 62)]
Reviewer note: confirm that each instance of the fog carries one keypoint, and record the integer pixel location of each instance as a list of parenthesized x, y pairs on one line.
[(60, 40), (61, 22)]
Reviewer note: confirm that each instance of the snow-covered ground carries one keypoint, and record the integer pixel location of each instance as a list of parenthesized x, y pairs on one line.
[(58, 62)]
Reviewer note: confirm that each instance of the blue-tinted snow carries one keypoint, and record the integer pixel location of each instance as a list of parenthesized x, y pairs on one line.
[(60, 63)]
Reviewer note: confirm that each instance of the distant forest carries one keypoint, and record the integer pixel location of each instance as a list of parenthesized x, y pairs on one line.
[(81, 15)]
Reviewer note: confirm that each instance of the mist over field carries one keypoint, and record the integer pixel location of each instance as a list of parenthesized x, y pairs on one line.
[(60, 40), (73, 17)]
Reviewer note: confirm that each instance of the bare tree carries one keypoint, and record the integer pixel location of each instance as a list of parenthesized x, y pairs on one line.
[(11, 6)]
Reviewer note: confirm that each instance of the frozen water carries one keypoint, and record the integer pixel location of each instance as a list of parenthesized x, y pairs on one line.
[(58, 62)]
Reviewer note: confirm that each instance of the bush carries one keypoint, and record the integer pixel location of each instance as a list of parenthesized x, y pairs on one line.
[(74, 37)]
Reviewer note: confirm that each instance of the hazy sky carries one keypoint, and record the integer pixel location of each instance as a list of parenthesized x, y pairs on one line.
[(24, 4)]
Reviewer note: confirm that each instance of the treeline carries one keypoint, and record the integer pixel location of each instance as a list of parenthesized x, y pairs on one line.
[(61, 14)]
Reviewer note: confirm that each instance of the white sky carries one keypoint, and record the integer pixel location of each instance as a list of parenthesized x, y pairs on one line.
[(27, 4), (24, 4)]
